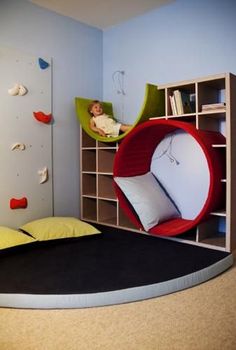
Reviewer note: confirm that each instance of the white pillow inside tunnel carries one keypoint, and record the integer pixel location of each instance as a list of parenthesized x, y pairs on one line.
[(148, 198)]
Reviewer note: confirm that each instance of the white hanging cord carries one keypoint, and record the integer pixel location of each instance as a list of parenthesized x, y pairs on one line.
[(118, 82), (168, 152)]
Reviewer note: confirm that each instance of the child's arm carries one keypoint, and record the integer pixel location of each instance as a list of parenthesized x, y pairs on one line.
[(95, 129)]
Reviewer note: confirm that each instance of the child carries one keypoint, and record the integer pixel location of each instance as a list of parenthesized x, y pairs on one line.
[(102, 124)]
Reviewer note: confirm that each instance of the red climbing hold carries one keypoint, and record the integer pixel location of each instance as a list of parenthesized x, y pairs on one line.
[(18, 203), (42, 117)]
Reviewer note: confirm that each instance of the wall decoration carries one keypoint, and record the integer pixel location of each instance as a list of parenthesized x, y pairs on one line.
[(42, 117), (18, 89), (22, 90), (42, 63), (14, 90), (26, 145), (43, 175), (18, 146), (20, 203)]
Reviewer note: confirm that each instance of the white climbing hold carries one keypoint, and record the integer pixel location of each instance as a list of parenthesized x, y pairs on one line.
[(18, 89), (19, 146), (14, 90), (43, 173), (22, 90)]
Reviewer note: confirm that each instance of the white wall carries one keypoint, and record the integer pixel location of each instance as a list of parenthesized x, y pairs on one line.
[(76, 51)]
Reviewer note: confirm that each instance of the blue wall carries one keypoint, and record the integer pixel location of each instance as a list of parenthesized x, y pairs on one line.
[(183, 40), (76, 51)]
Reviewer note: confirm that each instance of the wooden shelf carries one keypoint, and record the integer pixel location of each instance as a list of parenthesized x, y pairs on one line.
[(89, 208), (98, 199), (105, 160), (211, 90), (124, 221), (87, 141), (219, 146), (219, 213), (111, 145), (105, 187), (89, 187), (107, 212), (211, 121), (89, 160), (213, 114), (215, 241)]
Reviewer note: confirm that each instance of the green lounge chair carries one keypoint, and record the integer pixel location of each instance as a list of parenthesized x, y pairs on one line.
[(153, 106)]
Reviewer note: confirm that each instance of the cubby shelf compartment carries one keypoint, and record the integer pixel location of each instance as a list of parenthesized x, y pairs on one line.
[(211, 91), (89, 208), (124, 221), (89, 160), (87, 141), (212, 121), (89, 187), (187, 88), (208, 233), (105, 160), (105, 186), (107, 211)]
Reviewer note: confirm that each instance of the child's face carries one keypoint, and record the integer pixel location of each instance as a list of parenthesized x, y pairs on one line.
[(97, 109)]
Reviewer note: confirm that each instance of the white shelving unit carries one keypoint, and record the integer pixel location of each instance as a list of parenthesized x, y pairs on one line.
[(219, 231), (98, 199)]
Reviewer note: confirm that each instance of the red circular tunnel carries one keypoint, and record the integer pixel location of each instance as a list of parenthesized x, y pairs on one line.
[(134, 158)]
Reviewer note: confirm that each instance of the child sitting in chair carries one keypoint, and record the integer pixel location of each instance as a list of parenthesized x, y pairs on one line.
[(102, 124)]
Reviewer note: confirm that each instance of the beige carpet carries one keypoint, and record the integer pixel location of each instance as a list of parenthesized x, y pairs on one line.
[(199, 318)]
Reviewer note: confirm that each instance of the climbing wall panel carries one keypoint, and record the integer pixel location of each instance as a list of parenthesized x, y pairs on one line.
[(25, 141)]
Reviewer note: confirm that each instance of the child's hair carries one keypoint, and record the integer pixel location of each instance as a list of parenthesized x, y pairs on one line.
[(90, 106)]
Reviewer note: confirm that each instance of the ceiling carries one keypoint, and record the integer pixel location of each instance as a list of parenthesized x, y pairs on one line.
[(101, 13)]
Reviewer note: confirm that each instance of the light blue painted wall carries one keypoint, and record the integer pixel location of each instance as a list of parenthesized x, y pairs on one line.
[(183, 40), (76, 51)]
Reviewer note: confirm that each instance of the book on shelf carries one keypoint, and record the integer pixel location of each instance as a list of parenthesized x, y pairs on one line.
[(214, 106), (180, 102), (173, 105), (188, 104)]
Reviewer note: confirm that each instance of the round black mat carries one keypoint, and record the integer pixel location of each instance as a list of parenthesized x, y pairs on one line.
[(114, 260)]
